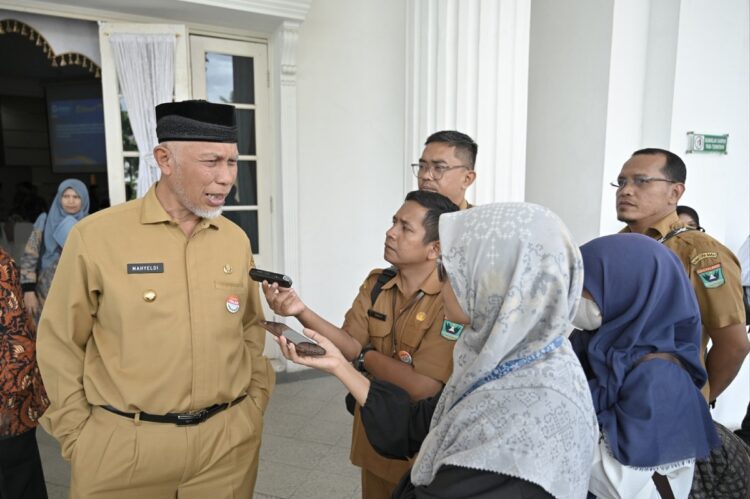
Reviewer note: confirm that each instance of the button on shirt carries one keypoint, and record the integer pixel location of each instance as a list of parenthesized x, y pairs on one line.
[(145, 319)]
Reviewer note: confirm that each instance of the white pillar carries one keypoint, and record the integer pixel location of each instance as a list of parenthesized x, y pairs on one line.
[(468, 67), (286, 198)]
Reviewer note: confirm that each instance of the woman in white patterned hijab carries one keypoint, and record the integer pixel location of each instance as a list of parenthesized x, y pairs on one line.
[(516, 417), (517, 402)]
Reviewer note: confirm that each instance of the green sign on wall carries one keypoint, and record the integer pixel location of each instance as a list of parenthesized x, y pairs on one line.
[(704, 143)]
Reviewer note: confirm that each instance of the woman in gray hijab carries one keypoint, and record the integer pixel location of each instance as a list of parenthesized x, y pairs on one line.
[(515, 419)]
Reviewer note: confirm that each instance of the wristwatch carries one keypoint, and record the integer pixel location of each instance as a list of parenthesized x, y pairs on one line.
[(359, 362)]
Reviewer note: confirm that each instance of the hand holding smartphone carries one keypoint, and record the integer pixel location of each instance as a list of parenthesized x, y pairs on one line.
[(303, 344), (259, 275)]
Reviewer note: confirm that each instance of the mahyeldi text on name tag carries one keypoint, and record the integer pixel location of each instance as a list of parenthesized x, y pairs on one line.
[(145, 268)]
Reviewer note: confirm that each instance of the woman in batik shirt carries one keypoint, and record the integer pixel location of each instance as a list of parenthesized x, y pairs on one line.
[(22, 395)]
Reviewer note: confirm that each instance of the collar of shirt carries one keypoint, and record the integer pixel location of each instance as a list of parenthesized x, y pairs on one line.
[(152, 212), (431, 285), (662, 227)]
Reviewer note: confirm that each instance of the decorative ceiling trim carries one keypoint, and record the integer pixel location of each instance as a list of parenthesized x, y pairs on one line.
[(286, 9), (20, 28)]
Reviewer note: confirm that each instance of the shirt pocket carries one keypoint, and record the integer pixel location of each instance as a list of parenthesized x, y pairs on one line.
[(380, 334), (229, 285), (413, 333)]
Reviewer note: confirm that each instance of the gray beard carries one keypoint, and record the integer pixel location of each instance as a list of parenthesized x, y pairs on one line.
[(182, 196), (208, 214)]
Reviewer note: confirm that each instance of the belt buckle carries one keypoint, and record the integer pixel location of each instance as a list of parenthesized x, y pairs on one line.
[(192, 418)]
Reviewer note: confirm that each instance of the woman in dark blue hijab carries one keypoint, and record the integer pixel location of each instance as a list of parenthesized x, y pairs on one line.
[(644, 368)]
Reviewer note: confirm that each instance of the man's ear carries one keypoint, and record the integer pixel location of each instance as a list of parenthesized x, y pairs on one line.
[(434, 250), (469, 178), (675, 193), (164, 158)]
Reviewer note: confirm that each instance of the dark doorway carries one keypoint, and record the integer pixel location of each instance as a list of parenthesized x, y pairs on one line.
[(51, 127)]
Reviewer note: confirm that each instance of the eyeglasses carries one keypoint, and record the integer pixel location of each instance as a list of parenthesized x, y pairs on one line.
[(639, 181), (435, 171), (442, 275)]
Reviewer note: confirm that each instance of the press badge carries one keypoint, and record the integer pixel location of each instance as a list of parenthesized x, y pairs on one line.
[(451, 330)]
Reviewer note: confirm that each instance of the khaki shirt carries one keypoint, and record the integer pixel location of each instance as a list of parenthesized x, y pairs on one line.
[(145, 319), (418, 332), (714, 273)]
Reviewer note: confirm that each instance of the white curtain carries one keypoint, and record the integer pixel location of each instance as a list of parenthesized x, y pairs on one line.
[(145, 70)]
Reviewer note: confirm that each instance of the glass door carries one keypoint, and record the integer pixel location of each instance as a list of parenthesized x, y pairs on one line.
[(234, 72)]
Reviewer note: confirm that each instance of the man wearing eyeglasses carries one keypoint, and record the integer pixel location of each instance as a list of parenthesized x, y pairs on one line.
[(447, 165), (649, 187)]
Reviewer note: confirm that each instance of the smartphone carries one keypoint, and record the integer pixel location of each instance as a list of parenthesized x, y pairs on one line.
[(303, 344), (282, 280)]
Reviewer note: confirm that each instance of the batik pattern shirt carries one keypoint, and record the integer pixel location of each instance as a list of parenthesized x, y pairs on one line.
[(22, 395)]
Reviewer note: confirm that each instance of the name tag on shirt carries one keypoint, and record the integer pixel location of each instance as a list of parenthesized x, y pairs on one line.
[(146, 268), (376, 315)]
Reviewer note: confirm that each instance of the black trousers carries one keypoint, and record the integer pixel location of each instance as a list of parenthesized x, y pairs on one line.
[(21, 475)]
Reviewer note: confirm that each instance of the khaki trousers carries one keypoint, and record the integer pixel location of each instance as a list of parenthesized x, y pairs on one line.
[(119, 458), (374, 487)]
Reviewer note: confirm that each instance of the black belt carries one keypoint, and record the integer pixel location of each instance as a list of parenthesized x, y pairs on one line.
[(180, 419)]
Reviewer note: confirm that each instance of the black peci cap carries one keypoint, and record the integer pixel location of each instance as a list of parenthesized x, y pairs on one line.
[(196, 121)]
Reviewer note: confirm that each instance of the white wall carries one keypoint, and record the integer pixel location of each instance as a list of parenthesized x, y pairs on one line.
[(712, 95), (351, 87), (569, 58)]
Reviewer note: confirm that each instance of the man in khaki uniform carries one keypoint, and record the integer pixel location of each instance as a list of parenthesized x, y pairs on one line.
[(148, 343), (649, 187), (447, 165), (397, 333)]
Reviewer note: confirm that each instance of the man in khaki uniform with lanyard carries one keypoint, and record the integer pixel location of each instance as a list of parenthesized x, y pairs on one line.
[(149, 344), (447, 166), (396, 329), (649, 187)]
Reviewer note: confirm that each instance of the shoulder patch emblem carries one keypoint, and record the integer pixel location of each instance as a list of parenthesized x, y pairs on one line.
[(711, 277), (451, 330), (703, 256)]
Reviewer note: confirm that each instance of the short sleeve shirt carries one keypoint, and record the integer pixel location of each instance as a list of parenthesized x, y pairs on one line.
[(713, 271), (419, 326)]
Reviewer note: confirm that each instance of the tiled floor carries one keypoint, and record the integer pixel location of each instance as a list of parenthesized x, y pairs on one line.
[(305, 450)]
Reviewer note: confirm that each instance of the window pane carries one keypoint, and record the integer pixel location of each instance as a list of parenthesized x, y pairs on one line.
[(229, 78), (128, 139), (245, 190), (131, 178), (246, 131), (248, 220)]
